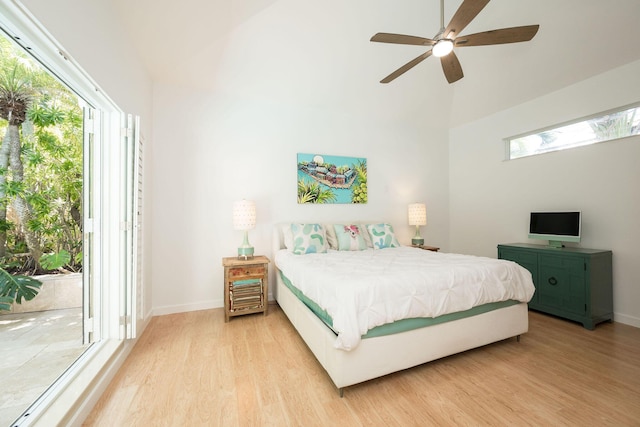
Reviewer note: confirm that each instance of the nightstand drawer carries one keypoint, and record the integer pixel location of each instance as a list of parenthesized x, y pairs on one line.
[(252, 270)]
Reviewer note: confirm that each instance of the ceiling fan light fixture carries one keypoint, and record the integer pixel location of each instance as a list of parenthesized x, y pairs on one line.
[(442, 48), (443, 43)]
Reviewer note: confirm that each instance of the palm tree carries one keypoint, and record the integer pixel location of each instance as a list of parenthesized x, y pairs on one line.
[(615, 125), (41, 167), (16, 96)]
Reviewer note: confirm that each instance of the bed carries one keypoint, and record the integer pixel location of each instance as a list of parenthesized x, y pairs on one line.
[(350, 353)]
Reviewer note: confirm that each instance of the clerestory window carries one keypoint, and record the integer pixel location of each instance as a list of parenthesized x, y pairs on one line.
[(607, 126)]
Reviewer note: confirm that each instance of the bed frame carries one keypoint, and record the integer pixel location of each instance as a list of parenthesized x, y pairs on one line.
[(378, 356)]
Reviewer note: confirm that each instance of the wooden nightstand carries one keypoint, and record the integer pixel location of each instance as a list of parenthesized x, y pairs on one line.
[(246, 284), (427, 248)]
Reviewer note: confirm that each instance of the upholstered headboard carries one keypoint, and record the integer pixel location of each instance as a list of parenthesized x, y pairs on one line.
[(278, 236)]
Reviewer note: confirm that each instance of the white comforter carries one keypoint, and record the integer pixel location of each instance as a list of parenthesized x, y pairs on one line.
[(364, 289)]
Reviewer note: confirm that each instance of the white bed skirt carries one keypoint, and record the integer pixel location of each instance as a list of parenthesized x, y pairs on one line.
[(378, 356)]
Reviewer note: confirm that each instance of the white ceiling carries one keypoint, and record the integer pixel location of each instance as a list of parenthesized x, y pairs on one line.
[(318, 52)]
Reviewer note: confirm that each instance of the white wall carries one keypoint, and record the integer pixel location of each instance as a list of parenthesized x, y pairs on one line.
[(213, 149), (491, 198), (276, 85), (93, 35)]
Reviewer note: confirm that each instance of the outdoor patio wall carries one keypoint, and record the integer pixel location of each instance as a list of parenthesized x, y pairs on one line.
[(58, 291)]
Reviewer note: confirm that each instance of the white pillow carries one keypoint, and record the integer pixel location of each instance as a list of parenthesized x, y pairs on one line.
[(332, 240), (366, 236), (287, 237)]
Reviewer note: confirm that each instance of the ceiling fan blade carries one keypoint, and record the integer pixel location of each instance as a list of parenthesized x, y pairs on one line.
[(468, 10), (451, 67), (406, 67), (502, 36), (402, 39)]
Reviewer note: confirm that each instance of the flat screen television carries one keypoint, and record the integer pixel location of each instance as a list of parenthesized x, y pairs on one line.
[(556, 227)]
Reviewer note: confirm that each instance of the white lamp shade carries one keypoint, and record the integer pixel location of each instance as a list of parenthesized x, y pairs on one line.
[(244, 215), (417, 214)]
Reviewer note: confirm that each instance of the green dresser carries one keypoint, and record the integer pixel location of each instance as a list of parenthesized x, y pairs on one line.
[(574, 283)]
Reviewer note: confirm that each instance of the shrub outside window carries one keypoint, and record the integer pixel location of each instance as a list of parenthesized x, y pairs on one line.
[(607, 126)]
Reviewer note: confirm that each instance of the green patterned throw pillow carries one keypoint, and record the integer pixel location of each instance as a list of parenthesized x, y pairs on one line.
[(382, 236), (308, 239)]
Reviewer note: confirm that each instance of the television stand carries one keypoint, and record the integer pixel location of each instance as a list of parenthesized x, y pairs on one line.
[(573, 283)]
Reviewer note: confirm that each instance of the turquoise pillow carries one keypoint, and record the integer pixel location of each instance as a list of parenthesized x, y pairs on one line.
[(308, 239), (382, 236), (350, 237)]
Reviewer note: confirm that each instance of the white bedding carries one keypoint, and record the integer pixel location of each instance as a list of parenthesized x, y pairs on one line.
[(364, 289)]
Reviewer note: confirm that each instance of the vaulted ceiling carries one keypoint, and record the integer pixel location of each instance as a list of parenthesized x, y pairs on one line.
[(319, 51)]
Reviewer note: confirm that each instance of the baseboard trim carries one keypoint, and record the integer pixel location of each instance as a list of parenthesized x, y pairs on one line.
[(182, 308), (627, 320)]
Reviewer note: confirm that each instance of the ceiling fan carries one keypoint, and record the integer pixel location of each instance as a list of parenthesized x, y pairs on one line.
[(447, 38)]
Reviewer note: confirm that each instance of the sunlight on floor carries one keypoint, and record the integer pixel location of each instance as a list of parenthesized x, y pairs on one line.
[(37, 348)]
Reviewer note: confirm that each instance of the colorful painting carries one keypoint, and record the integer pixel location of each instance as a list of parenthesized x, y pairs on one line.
[(331, 179)]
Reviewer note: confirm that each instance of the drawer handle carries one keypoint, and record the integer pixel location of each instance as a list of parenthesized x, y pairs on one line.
[(553, 281)]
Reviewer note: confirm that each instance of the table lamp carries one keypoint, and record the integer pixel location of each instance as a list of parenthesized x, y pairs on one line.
[(417, 216), (244, 218)]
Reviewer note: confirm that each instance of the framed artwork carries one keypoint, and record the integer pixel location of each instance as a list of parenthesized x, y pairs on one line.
[(331, 179)]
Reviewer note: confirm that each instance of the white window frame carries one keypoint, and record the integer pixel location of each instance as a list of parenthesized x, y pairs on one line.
[(571, 129), (70, 399)]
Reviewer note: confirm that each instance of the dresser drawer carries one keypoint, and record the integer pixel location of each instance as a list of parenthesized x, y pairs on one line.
[(521, 257)]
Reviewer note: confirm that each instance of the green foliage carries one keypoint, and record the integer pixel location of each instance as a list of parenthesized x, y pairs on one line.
[(15, 288), (52, 157), (44, 115), (5, 225), (55, 260), (13, 189), (16, 86), (615, 125), (5, 303)]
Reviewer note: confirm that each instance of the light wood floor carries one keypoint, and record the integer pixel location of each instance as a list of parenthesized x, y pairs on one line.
[(192, 369)]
